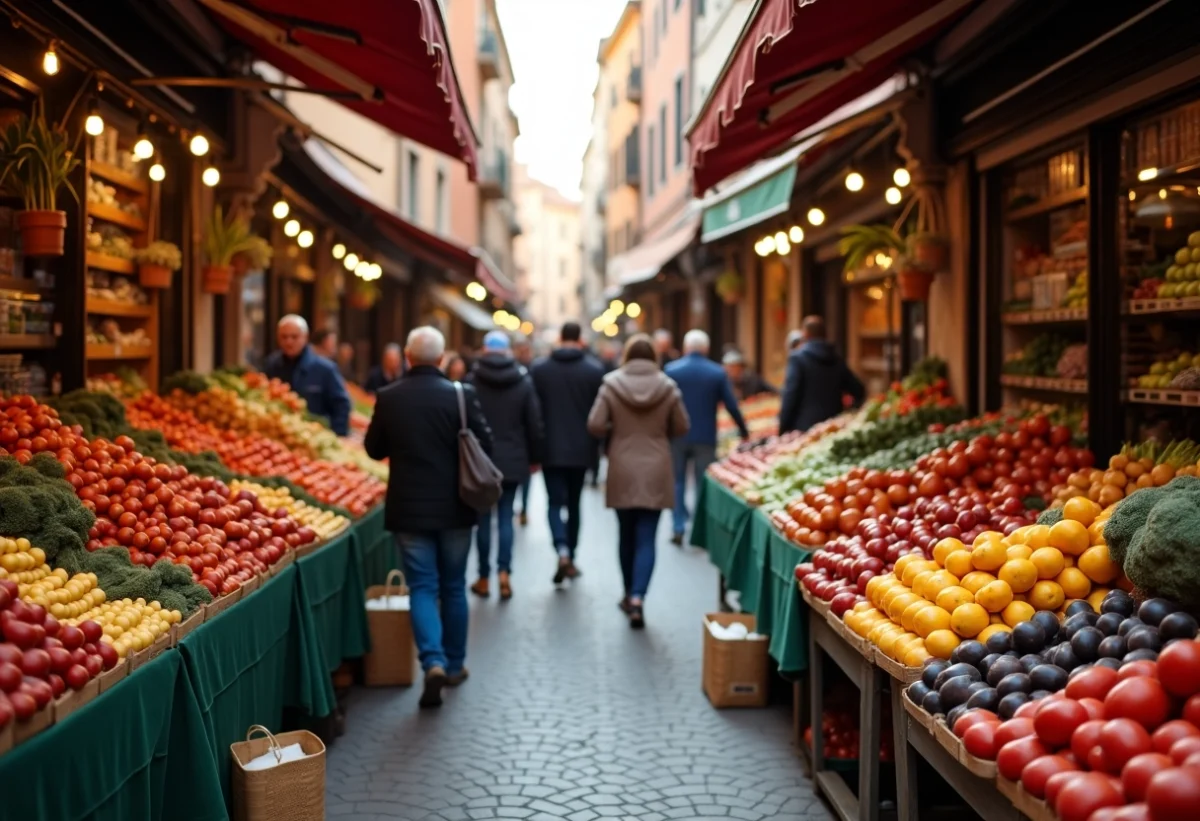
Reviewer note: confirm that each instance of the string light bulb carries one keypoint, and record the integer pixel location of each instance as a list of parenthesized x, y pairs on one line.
[(199, 145), (633, 310), (94, 124), (892, 195), (901, 177), (376, 270), (362, 269), (157, 172), (854, 181), (280, 209), (305, 239), (782, 246), (617, 307), (526, 327), (211, 176), (143, 149), (351, 261), (611, 330), (50, 63), (291, 227), (796, 234), (767, 244), (338, 251), (815, 216)]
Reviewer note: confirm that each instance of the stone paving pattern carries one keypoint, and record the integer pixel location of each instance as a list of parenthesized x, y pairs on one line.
[(569, 714)]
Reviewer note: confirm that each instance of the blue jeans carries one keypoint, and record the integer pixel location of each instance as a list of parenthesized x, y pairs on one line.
[(701, 456), (435, 565), (504, 527), (637, 528), (525, 496), (564, 486)]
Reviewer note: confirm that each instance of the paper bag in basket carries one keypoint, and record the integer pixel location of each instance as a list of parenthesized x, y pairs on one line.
[(393, 656), (292, 788)]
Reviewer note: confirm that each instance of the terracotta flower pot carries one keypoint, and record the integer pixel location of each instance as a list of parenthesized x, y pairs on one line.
[(930, 253), (241, 264), (216, 278), (361, 301), (42, 232), (914, 284), (154, 276)]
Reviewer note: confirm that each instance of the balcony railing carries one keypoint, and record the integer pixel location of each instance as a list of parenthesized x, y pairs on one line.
[(633, 88), (494, 179), (489, 55), (633, 159)]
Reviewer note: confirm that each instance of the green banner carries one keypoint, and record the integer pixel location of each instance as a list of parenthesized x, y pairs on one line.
[(764, 199)]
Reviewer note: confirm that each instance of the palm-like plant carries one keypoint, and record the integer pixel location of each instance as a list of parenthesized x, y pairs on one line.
[(860, 243), (36, 160), (224, 237)]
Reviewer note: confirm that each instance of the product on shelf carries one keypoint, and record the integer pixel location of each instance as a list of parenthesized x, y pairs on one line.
[(114, 288), (1143, 465), (325, 523), (1039, 358), (1073, 364), (1164, 370), (1183, 276)]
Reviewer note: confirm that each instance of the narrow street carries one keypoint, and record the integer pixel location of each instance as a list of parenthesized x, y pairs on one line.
[(570, 714)]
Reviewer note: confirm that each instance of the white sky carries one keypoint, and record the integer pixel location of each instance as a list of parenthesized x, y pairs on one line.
[(552, 45)]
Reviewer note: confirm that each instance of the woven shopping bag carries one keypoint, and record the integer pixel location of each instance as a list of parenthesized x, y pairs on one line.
[(393, 655), (294, 790)]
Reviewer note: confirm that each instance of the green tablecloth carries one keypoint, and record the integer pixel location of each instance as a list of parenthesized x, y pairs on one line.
[(723, 528), (137, 751), (376, 549), (789, 616), (331, 589)]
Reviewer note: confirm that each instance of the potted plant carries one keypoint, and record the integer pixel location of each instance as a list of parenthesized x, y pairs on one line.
[(861, 243), (37, 160), (223, 238), (256, 256), (363, 294), (156, 262), (730, 287)]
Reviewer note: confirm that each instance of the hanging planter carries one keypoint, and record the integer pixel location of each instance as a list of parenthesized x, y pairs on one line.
[(156, 262), (255, 257), (36, 160), (913, 284), (930, 252), (224, 239), (730, 287), (215, 279)]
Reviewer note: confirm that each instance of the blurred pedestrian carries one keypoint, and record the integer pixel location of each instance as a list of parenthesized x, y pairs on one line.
[(745, 381), (640, 410), (817, 379), (664, 347), (325, 343), (523, 353), (455, 367), (794, 340), (309, 374), (416, 428), (703, 385), (388, 371), (567, 382), (511, 407), (345, 361)]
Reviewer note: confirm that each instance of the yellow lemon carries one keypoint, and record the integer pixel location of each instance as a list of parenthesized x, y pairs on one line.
[(941, 643), (1074, 583), (1018, 551), (1046, 595), (916, 656), (968, 619), (944, 548), (989, 555), (950, 598), (914, 569), (918, 585), (959, 563), (908, 617), (1037, 536), (1019, 574), (1017, 612), (1048, 561), (885, 604), (905, 643), (994, 596), (976, 580), (862, 607), (896, 608), (1097, 565), (1070, 537), (991, 630), (1081, 509), (929, 619), (888, 641), (1018, 536)]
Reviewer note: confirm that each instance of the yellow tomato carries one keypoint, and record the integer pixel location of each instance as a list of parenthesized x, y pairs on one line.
[(938, 582), (1049, 562), (1096, 597)]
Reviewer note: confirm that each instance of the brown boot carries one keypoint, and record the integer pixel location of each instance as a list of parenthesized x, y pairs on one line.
[(481, 589), (435, 680), (455, 679), (505, 586)]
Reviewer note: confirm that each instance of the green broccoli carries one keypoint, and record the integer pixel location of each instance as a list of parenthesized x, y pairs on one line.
[(1161, 559), (186, 381), (1131, 513), (1050, 516)]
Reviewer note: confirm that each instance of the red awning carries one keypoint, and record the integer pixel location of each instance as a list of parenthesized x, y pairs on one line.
[(796, 62), (391, 55)]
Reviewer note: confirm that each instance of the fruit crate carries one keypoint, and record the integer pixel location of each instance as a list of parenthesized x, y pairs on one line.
[(181, 631), (218, 606), (25, 730), (72, 700), (977, 766), (946, 738), (111, 678), (1160, 306), (1163, 396), (913, 709), (896, 670), (1035, 809)]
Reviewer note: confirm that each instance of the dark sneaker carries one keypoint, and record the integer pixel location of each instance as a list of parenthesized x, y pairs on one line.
[(677, 539), (637, 619), (481, 589), (522, 519), (505, 586), (455, 679), (625, 606), (435, 680), (564, 565)]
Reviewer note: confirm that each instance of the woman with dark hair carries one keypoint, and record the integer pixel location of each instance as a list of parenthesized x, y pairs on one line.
[(639, 409), (455, 367)]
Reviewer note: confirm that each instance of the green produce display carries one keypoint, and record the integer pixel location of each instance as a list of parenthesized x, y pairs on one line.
[(1154, 534), (1039, 358)]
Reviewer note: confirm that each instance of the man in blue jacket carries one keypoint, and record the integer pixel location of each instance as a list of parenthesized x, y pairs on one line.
[(817, 380), (704, 385), (311, 375)]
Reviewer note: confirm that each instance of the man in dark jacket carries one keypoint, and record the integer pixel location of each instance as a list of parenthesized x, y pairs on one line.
[(511, 407), (311, 375), (387, 372), (817, 380), (704, 386), (567, 382), (415, 427)]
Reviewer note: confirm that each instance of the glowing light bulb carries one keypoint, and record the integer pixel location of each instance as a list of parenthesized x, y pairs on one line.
[(351, 261), (143, 149), (376, 270), (499, 317), (362, 269), (280, 209), (94, 124), (305, 239), (781, 238), (893, 195), (768, 245), (611, 331), (291, 227), (633, 310), (597, 325), (815, 216), (901, 177), (199, 145), (783, 247), (617, 307), (157, 172), (1147, 174), (339, 251), (50, 63), (796, 234), (855, 181), (211, 176)]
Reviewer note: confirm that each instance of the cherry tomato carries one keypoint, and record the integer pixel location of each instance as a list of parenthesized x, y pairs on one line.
[(1142, 699), (1174, 794), (1093, 683), (1038, 771), (1121, 739), (1085, 738), (1191, 710), (1094, 707), (1166, 735), (1130, 812), (1179, 668), (1085, 794), (1013, 729), (1055, 722), (1137, 772), (1014, 755)]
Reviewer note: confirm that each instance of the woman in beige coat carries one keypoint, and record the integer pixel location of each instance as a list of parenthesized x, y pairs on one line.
[(640, 410)]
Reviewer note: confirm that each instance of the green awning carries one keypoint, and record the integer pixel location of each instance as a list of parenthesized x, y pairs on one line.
[(751, 205)]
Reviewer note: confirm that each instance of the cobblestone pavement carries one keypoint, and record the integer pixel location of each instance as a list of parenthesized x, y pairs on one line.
[(570, 714)]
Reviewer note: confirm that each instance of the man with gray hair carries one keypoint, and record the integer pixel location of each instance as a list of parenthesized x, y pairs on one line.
[(704, 385), (416, 428), (387, 372), (664, 348), (312, 376)]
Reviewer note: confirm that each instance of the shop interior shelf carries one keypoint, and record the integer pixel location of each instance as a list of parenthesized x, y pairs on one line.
[(1048, 204), (877, 364), (1163, 396), (118, 176), (26, 342), (877, 333), (108, 307), (1050, 316), (104, 262), (110, 213), (1135, 307), (1044, 383), (1188, 166), (21, 284), (111, 352)]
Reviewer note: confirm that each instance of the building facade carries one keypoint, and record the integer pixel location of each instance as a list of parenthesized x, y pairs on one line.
[(717, 27), (622, 86), (666, 68), (548, 254)]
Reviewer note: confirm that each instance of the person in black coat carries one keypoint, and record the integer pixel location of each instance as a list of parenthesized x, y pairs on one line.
[(511, 407), (387, 372), (567, 383), (416, 428), (817, 380)]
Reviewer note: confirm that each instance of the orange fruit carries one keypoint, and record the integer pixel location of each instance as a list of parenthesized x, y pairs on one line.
[(1070, 537), (907, 618), (1048, 561), (904, 561), (885, 602), (1074, 583), (1017, 612), (950, 598), (976, 580), (959, 563), (1096, 531), (944, 548), (918, 585), (1037, 536), (916, 656), (1096, 597), (994, 596), (968, 619), (904, 644), (989, 555), (914, 569), (1081, 509), (1097, 565), (1047, 595), (896, 608), (988, 536), (938, 582), (929, 619), (1019, 574), (1018, 551), (941, 643)]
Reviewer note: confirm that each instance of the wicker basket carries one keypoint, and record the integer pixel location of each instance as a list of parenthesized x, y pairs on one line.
[(392, 658), (295, 791), (735, 672)]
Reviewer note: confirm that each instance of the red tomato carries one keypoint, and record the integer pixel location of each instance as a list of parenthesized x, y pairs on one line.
[(1143, 668), (1086, 736), (1056, 782), (1029, 709), (1183, 748), (980, 740), (1094, 707), (1191, 710), (1085, 794), (1174, 795), (1121, 739), (1038, 771), (1179, 668), (1055, 722), (1142, 699), (1166, 735), (1130, 812), (1014, 755), (1093, 683), (1137, 772), (972, 718), (1013, 729)]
